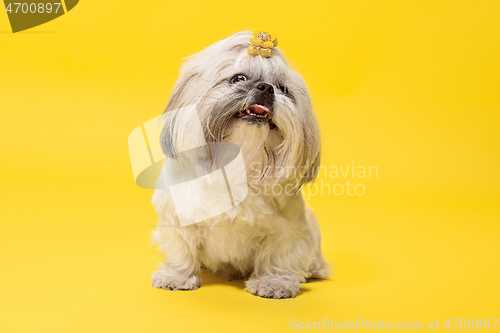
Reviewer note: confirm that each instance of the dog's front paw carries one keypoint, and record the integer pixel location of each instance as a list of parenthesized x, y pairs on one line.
[(167, 278), (272, 287)]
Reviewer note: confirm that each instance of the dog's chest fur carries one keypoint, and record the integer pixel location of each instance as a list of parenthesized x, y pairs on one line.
[(235, 237), (229, 243)]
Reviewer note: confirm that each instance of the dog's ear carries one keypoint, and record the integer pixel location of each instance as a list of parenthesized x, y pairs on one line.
[(308, 143), (178, 97), (171, 114), (167, 140), (310, 171)]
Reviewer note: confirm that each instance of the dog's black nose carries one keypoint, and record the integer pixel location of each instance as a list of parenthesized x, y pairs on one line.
[(266, 88)]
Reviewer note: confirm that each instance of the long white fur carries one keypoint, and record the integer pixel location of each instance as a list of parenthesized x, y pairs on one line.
[(272, 240)]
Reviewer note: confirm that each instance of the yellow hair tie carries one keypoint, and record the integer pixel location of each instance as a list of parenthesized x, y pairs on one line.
[(262, 44)]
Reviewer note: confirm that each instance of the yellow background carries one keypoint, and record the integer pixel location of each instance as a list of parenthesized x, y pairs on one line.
[(411, 87)]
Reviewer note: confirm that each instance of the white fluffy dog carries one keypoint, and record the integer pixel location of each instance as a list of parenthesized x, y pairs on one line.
[(271, 238)]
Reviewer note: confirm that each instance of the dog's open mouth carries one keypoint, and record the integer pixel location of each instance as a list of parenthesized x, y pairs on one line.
[(257, 113), (256, 110)]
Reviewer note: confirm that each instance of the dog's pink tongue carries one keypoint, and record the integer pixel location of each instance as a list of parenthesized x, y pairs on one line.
[(259, 109)]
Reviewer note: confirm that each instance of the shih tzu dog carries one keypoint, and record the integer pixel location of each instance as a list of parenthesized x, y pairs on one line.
[(246, 95)]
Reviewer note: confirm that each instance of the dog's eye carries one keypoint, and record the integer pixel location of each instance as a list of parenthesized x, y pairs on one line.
[(283, 89), (238, 78)]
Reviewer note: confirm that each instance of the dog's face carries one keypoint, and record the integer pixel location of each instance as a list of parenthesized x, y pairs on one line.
[(258, 103)]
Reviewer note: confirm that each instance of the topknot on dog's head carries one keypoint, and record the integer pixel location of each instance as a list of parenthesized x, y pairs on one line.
[(229, 51)]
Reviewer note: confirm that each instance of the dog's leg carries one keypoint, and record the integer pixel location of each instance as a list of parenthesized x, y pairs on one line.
[(181, 267), (277, 285), (282, 264), (319, 268), (276, 275)]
